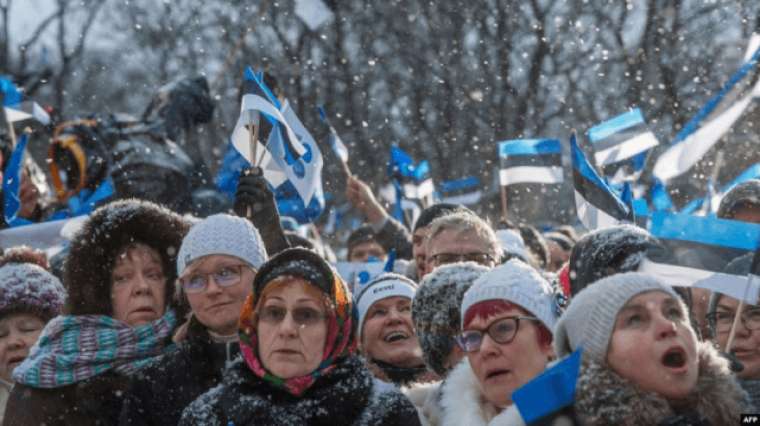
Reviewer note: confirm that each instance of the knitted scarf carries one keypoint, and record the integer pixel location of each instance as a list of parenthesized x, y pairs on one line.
[(340, 343), (73, 348)]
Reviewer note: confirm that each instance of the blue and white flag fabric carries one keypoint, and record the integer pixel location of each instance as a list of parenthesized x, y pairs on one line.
[(12, 184), (336, 143), (18, 109), (711, 122), (412, 180), (530, 161), (465, 191), (621, 138), (550, 391), (697, 251), (596, 203)]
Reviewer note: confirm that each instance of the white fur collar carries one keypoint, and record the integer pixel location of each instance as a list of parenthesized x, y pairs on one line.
[(463, 402)]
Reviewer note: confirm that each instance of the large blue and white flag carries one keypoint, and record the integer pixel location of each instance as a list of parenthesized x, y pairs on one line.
[(530, 161), (336, 143), (621, 138), (697, 251), (596, 203), (464, 191), (711, 122)]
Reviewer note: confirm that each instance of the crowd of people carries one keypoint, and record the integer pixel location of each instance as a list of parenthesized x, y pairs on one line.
[(154, 317)]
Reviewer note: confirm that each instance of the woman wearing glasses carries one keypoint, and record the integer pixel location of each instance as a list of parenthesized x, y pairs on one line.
[(118, 316), (746, 345), (299, 364), (507, 316), (215, 265)]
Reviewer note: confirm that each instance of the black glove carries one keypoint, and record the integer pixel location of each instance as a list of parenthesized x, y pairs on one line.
[(255, 201), (254, 197)]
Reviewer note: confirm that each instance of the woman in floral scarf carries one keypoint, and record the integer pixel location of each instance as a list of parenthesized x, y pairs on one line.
[(299, 364), (118, 273)]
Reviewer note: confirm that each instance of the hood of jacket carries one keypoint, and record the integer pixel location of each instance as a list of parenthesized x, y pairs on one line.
[(602, 397)]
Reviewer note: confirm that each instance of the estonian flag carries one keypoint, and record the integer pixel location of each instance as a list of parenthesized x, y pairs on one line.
[(753, 172), (464, 191), (530, 161), (621, 138), (697, 251), (711, 122), (336, 144), (595, 202)]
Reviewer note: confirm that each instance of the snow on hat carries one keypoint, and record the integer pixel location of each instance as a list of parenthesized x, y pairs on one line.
[(517, 283), (435, 310), (383, 286), (299, 262), (222, 234), (512, 243), (590, 319), (743, 195), (25, 287)]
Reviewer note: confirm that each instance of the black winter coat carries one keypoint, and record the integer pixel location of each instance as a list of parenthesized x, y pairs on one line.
[(348, 395), (96, 401), (160, 391)]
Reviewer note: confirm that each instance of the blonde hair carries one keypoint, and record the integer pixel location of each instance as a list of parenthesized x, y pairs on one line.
[(463, 221)]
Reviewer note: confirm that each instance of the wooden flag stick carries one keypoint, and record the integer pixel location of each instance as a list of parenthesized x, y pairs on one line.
[(503, 203), (732, 333)]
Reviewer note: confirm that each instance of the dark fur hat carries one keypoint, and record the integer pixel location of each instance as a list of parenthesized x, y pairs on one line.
[(93, 251)]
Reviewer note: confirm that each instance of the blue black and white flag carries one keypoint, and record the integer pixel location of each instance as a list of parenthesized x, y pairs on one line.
[(597, 205), (621, 138), (697, 251), (466, 191), (530, 161), (12, 184), (412, 181), (17, 109), (336, 143), (711, 122), (549, 392)]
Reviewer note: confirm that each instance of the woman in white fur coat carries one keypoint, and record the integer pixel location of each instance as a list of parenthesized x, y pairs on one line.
[(506, 319)]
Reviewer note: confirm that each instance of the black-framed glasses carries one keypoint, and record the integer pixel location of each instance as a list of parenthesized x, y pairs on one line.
[(502, 331), (224, 276), (303, 316), (723, 320), (446, 258)]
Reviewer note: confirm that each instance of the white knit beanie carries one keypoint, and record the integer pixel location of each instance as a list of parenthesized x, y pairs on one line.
[(383, 286), (517, 283), (590, 319), (512, 243), (222, 234)]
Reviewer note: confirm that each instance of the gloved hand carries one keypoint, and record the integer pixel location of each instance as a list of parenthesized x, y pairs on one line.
[(254, 197), (255, 201)]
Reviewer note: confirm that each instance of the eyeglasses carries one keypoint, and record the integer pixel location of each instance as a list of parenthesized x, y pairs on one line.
[(723, 320), (302, 316), (224, 276), (502, 331), (446, 258)]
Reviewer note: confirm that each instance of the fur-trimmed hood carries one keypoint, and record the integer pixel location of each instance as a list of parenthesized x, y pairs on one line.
[(93, 250), (602, 397), (463, 402)]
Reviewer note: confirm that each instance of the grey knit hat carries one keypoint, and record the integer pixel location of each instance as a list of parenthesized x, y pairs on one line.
[(518, 283), (222, 234), (590, 319), (435, 310), (25, 287)]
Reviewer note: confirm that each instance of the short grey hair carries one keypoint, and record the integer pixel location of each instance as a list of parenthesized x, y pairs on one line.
[(463, 221)]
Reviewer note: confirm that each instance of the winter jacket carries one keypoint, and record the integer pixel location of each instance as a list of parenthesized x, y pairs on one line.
[(463, 402), (96, 401), (161, 390), (604, 398), (394, 235), (348, 395), (5, 391), (752, 387)]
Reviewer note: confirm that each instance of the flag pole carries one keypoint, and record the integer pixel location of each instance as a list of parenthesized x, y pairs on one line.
[(346, 170), (503, 202), (253, 136)]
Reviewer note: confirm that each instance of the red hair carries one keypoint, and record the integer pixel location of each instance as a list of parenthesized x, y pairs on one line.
[(489, 308)]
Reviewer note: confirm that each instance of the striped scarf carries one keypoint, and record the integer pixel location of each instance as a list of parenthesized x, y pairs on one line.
[(340, 343), (73, 348)]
